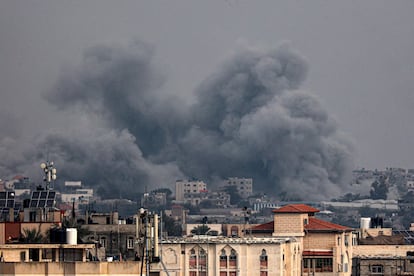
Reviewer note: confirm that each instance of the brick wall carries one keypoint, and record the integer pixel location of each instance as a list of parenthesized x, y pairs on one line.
[(289, 224)]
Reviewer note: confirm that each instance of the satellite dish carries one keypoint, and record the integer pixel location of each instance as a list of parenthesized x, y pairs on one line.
[(43, 165)]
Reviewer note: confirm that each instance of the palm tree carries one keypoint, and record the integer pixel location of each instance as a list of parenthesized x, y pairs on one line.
[(32, 235), (200, 230)]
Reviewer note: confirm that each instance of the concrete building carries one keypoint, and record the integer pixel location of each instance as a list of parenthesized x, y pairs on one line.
[(215, 256), (326, 247), (190, 191), (70, 268), (244, 185), (153, 199), (381, 251)]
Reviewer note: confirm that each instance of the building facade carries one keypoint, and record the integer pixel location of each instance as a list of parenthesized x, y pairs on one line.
[(244, 185), (190, 191), (219, 256)]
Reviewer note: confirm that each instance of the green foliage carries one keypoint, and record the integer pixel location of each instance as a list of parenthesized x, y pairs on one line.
[(200, 230), (32, 236)]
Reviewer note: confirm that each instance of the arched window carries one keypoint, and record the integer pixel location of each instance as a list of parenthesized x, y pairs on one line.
[(193, 259), (228, 263), (223, 259), (263, 263), (234, 231), (202, 260), (233, 259), (198, 262)]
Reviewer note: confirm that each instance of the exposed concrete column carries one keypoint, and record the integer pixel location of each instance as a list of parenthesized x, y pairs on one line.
[(56, 252)]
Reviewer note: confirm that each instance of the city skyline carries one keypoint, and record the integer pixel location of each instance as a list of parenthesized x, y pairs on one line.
[(357, 57)]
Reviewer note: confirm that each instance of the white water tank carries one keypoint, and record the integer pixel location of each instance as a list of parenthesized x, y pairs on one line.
[(72, 236), (365, 223)]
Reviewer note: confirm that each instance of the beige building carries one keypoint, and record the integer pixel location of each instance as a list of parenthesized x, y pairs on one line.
[(190, 191), (244, 185), (219, 256), (326, 247), (70, 268), (381, 251)]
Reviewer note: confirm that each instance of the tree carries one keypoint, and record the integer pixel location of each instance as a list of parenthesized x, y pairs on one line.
[(200, 230), (32, 235)]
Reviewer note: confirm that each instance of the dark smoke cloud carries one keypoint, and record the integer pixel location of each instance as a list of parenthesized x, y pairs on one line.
[(108, 159), (251, 121), (248, 120)]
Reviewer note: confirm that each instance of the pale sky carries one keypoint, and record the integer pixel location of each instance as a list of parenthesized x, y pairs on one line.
[(360, 57)]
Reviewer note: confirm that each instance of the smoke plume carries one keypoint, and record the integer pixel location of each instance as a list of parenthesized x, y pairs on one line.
[(249, 119)]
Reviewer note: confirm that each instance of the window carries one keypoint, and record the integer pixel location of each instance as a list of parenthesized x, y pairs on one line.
[(23, 256), (202, 262), (317, 265), (130, 243), (228, 264), (263, 263), (193, 259), (346, 240), (233, 259), (377, 269), (324, 265), (223, 259), (102, 241), (198, 262)]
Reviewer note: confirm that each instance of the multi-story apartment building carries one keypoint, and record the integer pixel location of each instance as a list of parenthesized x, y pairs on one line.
[(190, 191), (244, 185), (325, 247)]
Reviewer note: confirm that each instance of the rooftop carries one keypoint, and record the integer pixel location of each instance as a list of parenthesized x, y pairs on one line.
[(221, 239), (296, 208), (322, 225)]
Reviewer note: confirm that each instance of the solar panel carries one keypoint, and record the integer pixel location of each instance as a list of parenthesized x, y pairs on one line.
[(7, 199), (42, 199)]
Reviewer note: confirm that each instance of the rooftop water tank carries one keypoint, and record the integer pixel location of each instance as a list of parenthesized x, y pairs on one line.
[(72, 236), (365, 223)]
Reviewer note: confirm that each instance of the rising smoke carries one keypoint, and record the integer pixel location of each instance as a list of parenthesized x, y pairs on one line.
[(249, 120)]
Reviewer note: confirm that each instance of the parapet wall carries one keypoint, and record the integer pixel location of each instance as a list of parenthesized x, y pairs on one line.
[(382, 250), (71, 268)]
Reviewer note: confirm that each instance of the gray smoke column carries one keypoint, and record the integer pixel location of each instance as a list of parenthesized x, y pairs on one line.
[(249, 120), (123, 121)]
